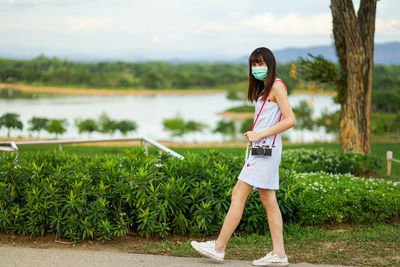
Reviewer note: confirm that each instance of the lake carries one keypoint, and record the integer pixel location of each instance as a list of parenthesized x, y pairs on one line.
[(148, 111)]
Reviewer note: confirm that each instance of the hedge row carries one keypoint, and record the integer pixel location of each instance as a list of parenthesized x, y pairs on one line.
[(106, 196), (331, 161)]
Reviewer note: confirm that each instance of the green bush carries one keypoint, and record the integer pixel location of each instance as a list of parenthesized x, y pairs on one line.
[(82, 197), (331, 161), (107, 196), (334, 198)]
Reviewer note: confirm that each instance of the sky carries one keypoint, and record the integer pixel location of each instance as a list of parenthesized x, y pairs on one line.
[(157, 29)]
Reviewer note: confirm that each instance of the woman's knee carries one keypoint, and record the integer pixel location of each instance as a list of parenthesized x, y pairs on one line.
[(268, 197), (240, 193)]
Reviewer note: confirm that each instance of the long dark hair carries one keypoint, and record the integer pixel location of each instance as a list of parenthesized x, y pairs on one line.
[(256, 86)]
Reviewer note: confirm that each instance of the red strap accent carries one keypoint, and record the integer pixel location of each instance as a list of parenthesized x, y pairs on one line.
[(258, 115), (281, 82), (262, 108)]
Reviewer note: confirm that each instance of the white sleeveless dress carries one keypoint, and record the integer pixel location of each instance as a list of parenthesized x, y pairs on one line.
[(262, 171)]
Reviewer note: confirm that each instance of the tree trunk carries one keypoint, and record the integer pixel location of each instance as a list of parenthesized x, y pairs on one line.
[(354, 41)]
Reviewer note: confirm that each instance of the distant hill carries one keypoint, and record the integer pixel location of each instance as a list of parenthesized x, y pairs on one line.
[(386, 53)]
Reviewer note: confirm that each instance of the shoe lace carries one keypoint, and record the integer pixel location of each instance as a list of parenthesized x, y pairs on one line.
[(210, 243), (268, 257)]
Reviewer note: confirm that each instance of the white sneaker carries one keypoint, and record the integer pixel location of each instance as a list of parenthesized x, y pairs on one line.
[(272, 260), (208, 249)]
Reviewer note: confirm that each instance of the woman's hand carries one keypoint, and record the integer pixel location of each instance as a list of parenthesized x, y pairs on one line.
[(252, 136)]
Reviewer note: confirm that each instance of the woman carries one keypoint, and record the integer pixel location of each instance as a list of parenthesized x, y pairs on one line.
[(273, 115)]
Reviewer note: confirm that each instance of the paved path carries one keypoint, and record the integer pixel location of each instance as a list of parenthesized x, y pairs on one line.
[(22, 256)]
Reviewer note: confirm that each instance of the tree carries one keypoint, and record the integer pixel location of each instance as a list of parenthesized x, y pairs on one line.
[(225, 127), (11, 121), (303, 116), (175, 126), (57, 126), (107, 125), (88, 125), (194, 126), (354, 42), (178, 127), (38, 124), (330, 121), (126, 126)]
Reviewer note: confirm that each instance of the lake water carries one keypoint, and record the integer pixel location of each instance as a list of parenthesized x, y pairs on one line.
[(147, 111)]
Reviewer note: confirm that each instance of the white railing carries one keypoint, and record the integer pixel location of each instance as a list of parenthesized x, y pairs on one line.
[(389, 159), (144, 141), (11, 146)]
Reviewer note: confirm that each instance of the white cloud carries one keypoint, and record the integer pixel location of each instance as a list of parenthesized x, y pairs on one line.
[(88, 25), (225, 26), (293, 24), (289, 24), (165, 38), (33, 2), (174, 36), (155, 40), (388, 27)]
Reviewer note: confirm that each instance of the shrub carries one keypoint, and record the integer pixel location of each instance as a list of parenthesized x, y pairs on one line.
[(334, 198), (106, 196), (312, 160)]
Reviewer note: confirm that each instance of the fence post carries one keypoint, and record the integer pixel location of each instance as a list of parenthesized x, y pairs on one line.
[(389, 157), (146, 147)]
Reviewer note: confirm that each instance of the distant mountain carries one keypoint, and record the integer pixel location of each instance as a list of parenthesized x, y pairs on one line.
[(386, 53)]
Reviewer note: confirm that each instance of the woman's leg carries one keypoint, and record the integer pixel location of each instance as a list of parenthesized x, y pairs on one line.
[(268, 198), (232, 218)]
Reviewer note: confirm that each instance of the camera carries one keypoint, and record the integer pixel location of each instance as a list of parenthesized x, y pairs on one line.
[(263, 150)]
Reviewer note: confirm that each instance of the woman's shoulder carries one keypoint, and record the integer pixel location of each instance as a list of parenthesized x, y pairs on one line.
[(278, 83), (278, 87)]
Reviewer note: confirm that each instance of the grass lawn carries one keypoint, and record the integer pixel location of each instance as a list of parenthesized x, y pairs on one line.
[(360, 245)]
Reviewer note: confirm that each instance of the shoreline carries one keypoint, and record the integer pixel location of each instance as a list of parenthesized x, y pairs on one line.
[(236, 115), (94, 91), (77, 91)]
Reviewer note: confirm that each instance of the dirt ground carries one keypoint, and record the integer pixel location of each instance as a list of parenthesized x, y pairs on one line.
[(126, 243)]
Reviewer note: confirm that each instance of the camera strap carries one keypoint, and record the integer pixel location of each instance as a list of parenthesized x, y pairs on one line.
[(280, 117), (248, 143), (259, 115)]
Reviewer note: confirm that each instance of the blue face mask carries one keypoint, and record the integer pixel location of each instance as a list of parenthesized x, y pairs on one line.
[(260, 73)]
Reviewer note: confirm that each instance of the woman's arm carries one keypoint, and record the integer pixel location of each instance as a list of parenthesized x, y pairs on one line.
[(288, 121)]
